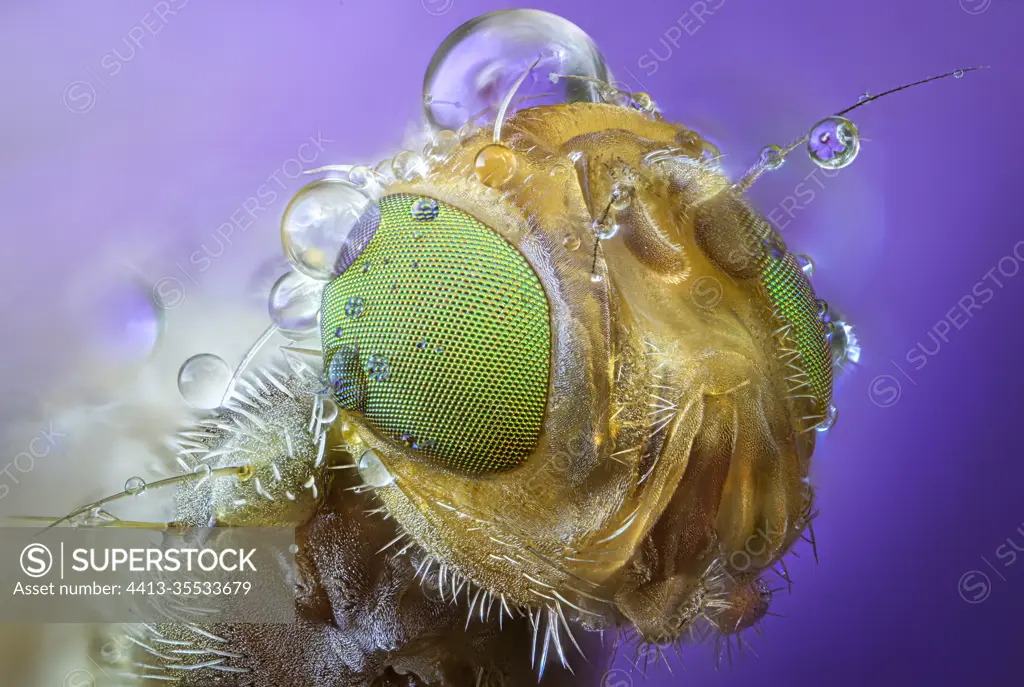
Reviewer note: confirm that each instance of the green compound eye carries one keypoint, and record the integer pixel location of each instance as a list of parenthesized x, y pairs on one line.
[(437, 331)]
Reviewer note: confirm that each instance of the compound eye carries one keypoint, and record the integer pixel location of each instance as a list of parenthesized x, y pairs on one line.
[(437, 330)]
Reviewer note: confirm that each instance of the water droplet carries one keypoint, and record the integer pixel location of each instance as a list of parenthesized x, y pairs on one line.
[(605, 228), (622, 196), (293, 548), (383, 171), (958, 74), (771, 156), (408, 166), (689, 140), (844, 343), (468, 131), (833, 143), (444, 144), (477, 65), (831, 415), (377, 368), (822, 309), (596, 278), (328, 411), (294, 303), (864, 97), (355, 306), (407, 439), (642, 101), (425, 209), (135, 485), (346, 379), (366, 267), (316, 223), (372, 470), (203, 379), (415, 264), (496, 165), (806, 264), (571, 241), (614, 96), (362, 177)]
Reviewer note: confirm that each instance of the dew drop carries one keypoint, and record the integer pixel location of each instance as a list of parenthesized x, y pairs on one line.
[(822, 309), (425, 209), (361, 177), (833, 143), (372, 470), (831, 415), (408, 166), (806, 265), (468, 131), (596, 278), (317, 222), (134, 486), (477, 65), (605, 228), (771, 156), (571, 241), (383, 171), (864, 97), (328, 411), (355, 306), (443, 145), (958, 74), (622, 196), (203, 379), (346, 379), (690, 140), (495, 165), (377, 368), (294, 303), (643, 102)]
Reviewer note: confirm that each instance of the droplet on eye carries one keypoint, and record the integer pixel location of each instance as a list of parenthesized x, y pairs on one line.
[(571, 241), (373, 471), (831, 415), (833, 143), (806, 265), (425, 209), (202, 380), (495, 165)]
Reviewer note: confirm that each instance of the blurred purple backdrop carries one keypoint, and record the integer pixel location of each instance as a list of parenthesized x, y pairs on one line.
[(919, 484)]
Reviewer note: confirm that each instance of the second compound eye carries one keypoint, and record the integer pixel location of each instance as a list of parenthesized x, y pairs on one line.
[(437, 331)]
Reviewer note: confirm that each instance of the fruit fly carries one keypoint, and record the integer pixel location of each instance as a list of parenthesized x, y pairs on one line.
[(569, 380)]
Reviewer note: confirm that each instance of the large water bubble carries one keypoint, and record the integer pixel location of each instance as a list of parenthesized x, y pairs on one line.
[(477, 65), (316, 223), (203, 379), (294, 303)]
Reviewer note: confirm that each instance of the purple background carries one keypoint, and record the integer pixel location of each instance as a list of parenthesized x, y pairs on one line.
[(912, 496)]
